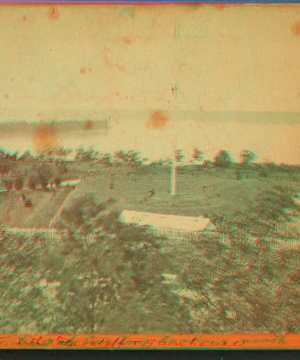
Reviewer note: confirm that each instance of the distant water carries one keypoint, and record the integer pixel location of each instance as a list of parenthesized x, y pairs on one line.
[(279, 143)]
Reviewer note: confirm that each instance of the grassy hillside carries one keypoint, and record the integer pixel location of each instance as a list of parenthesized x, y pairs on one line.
[(46, 204)]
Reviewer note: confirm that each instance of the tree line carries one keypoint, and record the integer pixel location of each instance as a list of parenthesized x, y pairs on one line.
[(133, 158)]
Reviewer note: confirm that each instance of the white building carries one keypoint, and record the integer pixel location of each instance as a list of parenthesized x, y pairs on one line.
[(170, 225)]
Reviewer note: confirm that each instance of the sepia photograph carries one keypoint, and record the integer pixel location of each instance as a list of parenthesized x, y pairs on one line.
[(149, 169)]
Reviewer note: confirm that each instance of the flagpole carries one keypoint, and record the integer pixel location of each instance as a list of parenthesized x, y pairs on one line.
[(174, 160)]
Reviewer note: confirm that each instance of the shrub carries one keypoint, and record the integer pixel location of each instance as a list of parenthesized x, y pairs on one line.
[(62, 167), (263, 174), (19, 183), (45, 172), (44, 181), (33, 182), (57, 181), (8, 184), (28, 202)]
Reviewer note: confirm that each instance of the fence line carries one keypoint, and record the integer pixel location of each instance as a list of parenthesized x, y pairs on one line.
[(50, 232), (273, 243)]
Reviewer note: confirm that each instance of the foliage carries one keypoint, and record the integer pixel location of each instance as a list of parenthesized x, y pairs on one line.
[(106, 159), (61, 166), (28, 202), (53, 153), (207, 164), (24, 306), (179, 155), (277, 204), (131, 157), (33, 182), (238, 174), (45, 172), (263, 174), (197, 156), (247, 157), (111, 280), (57, 181), (19, 183), (86, 155), (222, 159), (7, 161), (8, 184), (264, 288)]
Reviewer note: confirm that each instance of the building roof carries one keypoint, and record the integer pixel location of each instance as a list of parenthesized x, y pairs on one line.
[(187, 223), (70, 182)]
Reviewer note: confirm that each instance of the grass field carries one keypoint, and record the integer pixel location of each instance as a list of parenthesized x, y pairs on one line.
[(222, 194), (199, 193)]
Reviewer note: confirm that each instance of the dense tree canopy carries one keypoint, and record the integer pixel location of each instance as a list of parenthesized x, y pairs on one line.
[(222, 159)]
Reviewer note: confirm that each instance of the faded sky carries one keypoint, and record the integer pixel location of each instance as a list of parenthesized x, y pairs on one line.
[(99, 61)]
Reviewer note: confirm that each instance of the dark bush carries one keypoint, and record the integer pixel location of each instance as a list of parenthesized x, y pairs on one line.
[(57, 181), (33, 182), (62, 167), (19, 183), (28, 202), (8, 184), (44, 181), (46, 173)]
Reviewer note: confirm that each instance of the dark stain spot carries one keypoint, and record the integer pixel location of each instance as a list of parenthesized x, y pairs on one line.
[(83, 70), (296, 28), (126, 97), (39, 114), (24, 18), (12, 79), (200, 108), (158, 120), (53, 13), (117, 93), (127, 40), (6, 96), (89, 125), (45, 136)]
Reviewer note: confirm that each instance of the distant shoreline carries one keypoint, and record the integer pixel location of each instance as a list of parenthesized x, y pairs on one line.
[(61, 126)]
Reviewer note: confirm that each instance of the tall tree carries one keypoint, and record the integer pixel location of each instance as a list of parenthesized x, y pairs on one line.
[(222, 159), (247, 157), (197, 156), (179, 155), (120, 156)]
